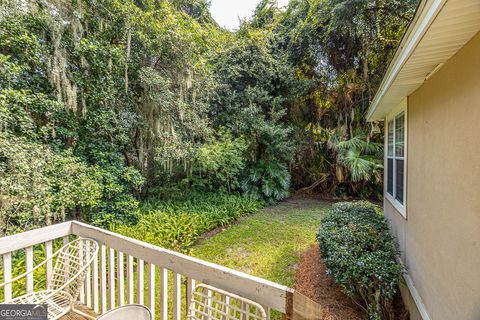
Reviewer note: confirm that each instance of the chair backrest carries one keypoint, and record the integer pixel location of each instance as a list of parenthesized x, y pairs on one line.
[(211, 303), (71, 267), (130, 312)]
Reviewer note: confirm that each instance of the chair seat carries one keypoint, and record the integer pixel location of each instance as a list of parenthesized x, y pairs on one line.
[(129, 312), (59, 303)]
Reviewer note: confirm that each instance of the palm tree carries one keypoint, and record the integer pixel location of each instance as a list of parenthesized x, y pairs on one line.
[(357, 157)]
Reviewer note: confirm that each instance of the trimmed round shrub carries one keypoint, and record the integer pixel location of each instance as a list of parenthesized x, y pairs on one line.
[(360, 255)]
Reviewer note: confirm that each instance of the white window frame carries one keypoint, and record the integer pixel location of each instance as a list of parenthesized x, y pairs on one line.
[(401, 208)]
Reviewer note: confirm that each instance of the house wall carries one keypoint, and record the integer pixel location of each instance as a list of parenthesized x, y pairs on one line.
[(440, 239), (398, 226)]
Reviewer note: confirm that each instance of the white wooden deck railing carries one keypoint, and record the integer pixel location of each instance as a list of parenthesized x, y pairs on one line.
[(131, 271)]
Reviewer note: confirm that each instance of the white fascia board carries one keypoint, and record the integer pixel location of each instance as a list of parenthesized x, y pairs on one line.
[(421, 23)]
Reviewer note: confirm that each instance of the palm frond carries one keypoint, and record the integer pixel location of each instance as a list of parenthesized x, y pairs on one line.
[(373, 148), (361, 167), (357, 142)]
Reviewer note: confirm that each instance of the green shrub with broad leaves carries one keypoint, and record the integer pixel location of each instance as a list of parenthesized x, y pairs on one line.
[(269, 181), (178, 222), (360, 255)]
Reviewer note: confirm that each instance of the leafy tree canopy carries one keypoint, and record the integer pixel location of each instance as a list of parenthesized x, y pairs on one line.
[(105, 102)]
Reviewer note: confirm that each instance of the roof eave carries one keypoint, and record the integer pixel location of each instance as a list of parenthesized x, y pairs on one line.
[(426, 13)]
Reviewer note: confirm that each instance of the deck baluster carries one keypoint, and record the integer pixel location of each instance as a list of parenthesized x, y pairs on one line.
[(88, 281), (177, 296), (96, 297), (121, 279), (48, 253), (111, 277), (130, 287), (140, 281), (29, 265), (151, 288), (7, 275), (103, 278), (190, 287), (163, 294)]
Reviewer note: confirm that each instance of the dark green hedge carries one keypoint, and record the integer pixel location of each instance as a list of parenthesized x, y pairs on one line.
[(359, 254)]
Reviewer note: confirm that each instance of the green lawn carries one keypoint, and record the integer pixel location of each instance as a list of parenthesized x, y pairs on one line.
[(269, 243)]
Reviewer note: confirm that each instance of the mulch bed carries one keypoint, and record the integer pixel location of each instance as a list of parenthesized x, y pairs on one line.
[(312, 281)]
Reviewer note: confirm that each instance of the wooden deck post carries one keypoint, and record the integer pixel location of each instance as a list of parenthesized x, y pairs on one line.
[(300, 307)]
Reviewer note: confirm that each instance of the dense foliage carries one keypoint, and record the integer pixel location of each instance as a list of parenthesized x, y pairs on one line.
[(338, 51), (105, 102), (360, 255), (178, 223)]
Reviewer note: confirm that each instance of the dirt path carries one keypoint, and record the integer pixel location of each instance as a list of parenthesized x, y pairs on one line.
[(311, 280)]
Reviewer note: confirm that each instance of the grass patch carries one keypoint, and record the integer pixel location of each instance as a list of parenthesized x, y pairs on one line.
[(269, 243)]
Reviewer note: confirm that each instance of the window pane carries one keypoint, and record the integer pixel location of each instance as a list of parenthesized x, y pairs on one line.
[(390, 176), (400, 135), (390, 138), (399, 180)]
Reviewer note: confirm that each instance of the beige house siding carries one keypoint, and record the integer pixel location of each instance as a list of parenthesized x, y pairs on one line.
[(440, 240), (398, 226)]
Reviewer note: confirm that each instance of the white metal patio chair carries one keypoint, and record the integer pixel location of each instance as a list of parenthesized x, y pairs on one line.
[(68, 275), (211, 303)]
